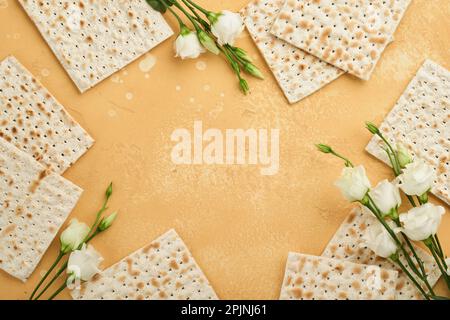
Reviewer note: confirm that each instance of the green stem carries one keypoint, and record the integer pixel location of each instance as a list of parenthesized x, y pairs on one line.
[(348, 163), (231, 61), (64, 266), (55, 277), (417, 258), (97, 220), (232, 54), (180, 22), (411, 200), (372, 206), (393, 162), (397, 171), (397, 162), (419, 263), (436, 246), (443, 271), (237, 57), (419, 287), (58, 259), (439, 247), (190, 17), (199, 19), (204, 11), (236, 68), (58, 291)]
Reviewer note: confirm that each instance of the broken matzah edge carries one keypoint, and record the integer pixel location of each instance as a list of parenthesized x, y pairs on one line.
[(50, 182), (388, 276), (283, 59), (85, 140), (67, 68), (116, 281)]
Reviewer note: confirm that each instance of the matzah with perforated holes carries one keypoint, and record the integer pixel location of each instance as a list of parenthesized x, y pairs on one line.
[(35, 122), (420, 121), (34, 203), (163, 270), (94, 39), (318, 278), (349, 34), (348, 244), (298, 73)]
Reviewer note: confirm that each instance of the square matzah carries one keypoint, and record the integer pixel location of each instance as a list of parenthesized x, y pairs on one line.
[(349, 34), (94, 39), (298, 73), (163, 270), (34, 203), (35, 122), (420, 121), (348, 244), (318, 278)]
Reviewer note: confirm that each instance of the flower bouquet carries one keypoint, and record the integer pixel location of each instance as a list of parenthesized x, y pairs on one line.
[(209, 31), (83, 262), (392, 238)]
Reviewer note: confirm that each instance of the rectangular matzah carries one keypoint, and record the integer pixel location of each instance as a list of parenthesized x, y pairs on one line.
[(420, 121), (35, 122), (318, 278), (94, 39), (163, 270), (348, 244), (349, 34), (298, 73), (34, 203)]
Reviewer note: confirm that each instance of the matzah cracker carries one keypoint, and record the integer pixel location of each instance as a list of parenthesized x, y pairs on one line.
[(94, 39), (298, 73), (163, 270), (35, 122), (348, 244), (318, 278), (34, 203), (420, 121), (349, 34)]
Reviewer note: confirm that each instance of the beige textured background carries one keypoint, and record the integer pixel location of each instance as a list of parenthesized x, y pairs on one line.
[(238, 224)]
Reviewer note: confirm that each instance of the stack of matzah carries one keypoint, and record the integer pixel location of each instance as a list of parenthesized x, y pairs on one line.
[(163, 270), (94, 39), (348, 269), (420, 121), (38, 141), (309, 43)]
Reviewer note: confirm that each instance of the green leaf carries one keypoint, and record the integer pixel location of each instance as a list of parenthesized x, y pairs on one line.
[(158, 5)]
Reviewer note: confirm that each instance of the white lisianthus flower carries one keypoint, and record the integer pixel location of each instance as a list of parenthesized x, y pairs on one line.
[(226, 26), (353, 183), (417, 178), (379, 240), (187, 45), (73, 236), (83, 264), (386, 197), (422, 222)]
